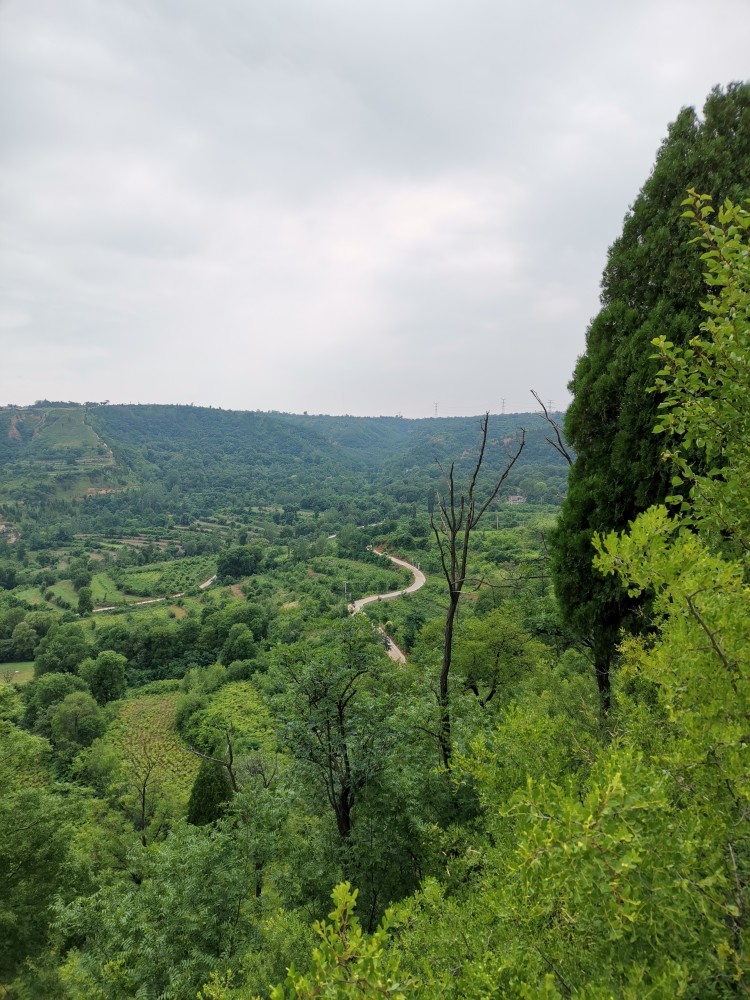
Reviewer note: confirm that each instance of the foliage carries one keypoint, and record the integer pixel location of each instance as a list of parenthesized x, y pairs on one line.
[(236, 706), (347, 963), (210, 793), (705, 410), (161, 931), (105, 675), (36, 823), (153, 770), (651, 288), (62, 650)]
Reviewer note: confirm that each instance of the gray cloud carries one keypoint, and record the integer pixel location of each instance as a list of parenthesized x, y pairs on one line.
[(332, 206)]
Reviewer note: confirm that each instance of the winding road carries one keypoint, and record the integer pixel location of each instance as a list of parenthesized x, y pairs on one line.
[(418, 582)]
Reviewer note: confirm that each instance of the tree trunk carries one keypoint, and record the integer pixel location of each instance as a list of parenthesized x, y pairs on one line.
[(601, 666), (444, 735)]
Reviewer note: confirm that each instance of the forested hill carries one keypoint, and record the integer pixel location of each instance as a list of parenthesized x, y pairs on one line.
[(344, 442), (253, 457)]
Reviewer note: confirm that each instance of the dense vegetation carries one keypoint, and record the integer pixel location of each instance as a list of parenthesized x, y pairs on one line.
[(652, 286), (199, 745)]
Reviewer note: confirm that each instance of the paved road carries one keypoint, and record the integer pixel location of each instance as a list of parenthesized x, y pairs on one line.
[(417, 583)]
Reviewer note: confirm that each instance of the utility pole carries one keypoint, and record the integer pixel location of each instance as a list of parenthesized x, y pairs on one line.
[(346, 584)]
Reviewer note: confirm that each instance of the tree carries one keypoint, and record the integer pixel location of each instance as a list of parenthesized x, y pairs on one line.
[(211, 791), (105, 675), (36, 828), (77, 721), (42, 694), (188, 910), (651, 287), (459, 513), (25, 640), (8, 576), (334, 724), (85, 602), (239, 644), (61, 650), (705, 409), (493, 651), (238, 561), (347, 963)]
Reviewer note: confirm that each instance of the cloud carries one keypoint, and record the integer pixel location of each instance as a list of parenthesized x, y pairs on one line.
[(329, 206)]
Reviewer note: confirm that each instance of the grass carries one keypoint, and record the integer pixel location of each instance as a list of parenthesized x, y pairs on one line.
[(65, 428), (104, 590), (66, 590), (32, 595), (16, 673)]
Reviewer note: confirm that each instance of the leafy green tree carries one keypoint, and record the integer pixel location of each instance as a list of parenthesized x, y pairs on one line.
[(85, 602), (174, 920), (77, 721), (494, 651), (42, 694), (348, 963), (238, 561), (105, 675), (8, 575), (333, 723), (239, 644), (25, 640), (705, 387), (651, 287), (61, 650), (36, 826)]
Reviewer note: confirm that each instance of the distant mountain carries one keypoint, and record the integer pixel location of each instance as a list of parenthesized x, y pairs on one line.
[(232, 458)]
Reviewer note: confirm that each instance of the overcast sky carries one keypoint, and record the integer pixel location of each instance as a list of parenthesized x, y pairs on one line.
[(335, 206)]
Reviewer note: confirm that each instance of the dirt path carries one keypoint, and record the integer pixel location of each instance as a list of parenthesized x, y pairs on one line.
[(153, 600), (417, 583)]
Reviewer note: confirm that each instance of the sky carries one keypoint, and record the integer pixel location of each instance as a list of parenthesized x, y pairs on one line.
[(332, 206)]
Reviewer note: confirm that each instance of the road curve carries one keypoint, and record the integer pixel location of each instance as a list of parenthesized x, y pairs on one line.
[(417, 583)]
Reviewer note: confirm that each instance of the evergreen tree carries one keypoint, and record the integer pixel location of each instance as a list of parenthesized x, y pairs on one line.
[(652, 286), (211, 792)]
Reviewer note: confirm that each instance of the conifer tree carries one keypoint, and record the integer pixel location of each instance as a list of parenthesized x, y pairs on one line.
[(211, 792), (651, 287)]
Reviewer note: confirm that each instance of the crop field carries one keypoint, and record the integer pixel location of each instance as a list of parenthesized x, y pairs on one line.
[(144, 737), (160, 579), (104, 590), (239, 706), (66, 428)]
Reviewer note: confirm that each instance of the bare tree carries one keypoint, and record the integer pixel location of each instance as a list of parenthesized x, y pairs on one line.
[(226, 761), (558, 444), (459, 512)]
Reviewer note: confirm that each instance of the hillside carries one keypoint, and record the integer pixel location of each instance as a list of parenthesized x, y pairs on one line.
[(74, 469)]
